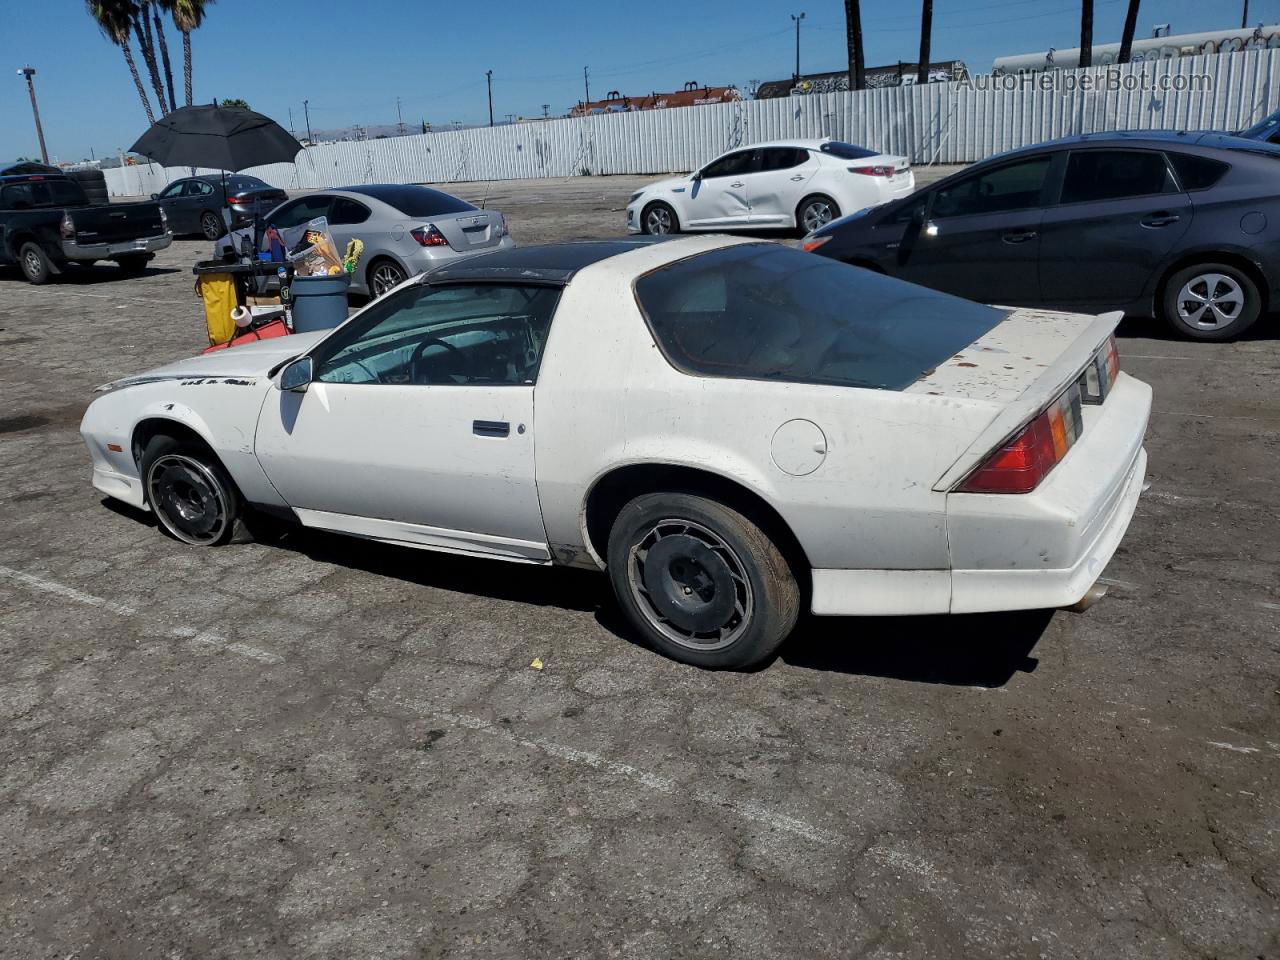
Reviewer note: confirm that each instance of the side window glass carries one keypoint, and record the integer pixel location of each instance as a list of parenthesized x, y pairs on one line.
[(348, 211), (1197, 173), (783, 158), (1114, 175), (490, 334), (734, 165), (173, 190), (202, 188), (302, 210), (1017, 186)]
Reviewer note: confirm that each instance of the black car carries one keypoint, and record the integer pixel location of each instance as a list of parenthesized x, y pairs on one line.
[(1183, 226), (1267, 129), (205, 204)]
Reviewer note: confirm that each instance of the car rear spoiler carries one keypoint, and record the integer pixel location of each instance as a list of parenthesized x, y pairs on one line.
[(1056, 378)]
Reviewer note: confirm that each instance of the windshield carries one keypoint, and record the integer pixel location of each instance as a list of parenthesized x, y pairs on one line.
[(766, 312), (1260, 130)]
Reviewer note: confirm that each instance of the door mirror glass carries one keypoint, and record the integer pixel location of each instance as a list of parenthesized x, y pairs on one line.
[(155, 196), (297, 375)]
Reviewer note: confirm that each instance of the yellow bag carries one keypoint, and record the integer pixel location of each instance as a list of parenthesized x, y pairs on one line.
[(218, 291)]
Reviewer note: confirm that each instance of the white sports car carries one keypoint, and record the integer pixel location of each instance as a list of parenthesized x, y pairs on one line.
[(786, 184), (731, 428)]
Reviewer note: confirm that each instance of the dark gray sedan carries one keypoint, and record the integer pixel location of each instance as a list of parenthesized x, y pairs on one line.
[(1179, 226), (209, 205)]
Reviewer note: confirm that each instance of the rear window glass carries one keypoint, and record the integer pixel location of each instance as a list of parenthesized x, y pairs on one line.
[(416, 201), (766, 312), (1196, 173), (1115, 174), (236, 184), (847, 151), (1262, 130), (42, 193)]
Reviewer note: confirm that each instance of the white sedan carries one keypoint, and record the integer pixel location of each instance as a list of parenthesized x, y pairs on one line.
[(732, 429), (787, 184)]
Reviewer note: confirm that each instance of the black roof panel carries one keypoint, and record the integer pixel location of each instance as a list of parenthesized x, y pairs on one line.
[(548, 262)]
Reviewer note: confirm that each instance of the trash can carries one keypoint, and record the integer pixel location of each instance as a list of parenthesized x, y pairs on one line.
[(319, 303)]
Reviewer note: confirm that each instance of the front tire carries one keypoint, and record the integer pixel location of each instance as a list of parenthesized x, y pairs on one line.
[(36, 267), (190, 493), (659, 219), (211, 225), (816, 212), (1211, 301), (702, 583)]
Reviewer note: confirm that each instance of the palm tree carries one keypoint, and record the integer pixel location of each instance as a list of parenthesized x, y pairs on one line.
[(114, 18), (146, 42), (1086, 33), (1126, 38), (853, 38), (926, 35), (187, 16), (164, 54)]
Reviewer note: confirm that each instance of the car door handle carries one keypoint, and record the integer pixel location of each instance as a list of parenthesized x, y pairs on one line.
[(1161, 219), (797, 178), (1022, 237), (491, 428), (738, 184)]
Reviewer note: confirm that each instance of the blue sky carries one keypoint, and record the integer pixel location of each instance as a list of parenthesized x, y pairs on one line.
[(351, 60)]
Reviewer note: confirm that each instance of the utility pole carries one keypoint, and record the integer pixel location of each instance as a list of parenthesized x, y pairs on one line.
[(796, 76), (1086, 33), (545, 108), (291, 133), (587, 86), (307, 111), (399, 117), (488, 78), (926, 36), (1244, 17), (30, 72)]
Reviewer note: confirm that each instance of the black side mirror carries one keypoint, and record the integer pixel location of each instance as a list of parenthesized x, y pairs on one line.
[(155, 196)]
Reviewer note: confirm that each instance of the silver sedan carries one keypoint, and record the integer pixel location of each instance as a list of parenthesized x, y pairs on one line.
[(406, 230)]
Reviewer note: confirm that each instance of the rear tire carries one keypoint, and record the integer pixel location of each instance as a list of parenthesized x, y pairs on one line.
[(35, 265), (384, 275), (1211, 301), (816, 212), (659, 219), (211, 225), (190, 493), (701, 582)]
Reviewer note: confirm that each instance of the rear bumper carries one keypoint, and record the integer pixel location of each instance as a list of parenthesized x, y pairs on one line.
[(105, 251)]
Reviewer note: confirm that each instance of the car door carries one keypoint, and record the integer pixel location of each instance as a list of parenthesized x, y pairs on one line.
[(777, 189), (170, 199), (1119, 215), (981, 236), (418, 423), (718, 195)]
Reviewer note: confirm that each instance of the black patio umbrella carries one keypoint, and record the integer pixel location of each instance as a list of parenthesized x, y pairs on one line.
[(224, 138)]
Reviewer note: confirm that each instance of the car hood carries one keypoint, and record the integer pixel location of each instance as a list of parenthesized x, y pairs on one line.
[(667, 184), (246, 360)]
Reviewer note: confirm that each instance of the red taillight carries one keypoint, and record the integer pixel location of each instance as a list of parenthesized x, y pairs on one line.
[(1113, 359), (876, 171), (429, 236), (1020, 465), (232, 201)]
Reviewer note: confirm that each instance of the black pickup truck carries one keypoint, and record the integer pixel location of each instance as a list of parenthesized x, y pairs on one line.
[(47, 223)]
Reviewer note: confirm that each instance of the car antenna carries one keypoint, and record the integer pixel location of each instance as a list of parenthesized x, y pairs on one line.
[(485, 198)]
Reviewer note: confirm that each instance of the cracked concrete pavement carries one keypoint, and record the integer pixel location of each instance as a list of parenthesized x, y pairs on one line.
[(318, 747)]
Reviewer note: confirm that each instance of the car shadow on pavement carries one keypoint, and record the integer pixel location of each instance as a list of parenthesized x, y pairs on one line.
[(970, 650)]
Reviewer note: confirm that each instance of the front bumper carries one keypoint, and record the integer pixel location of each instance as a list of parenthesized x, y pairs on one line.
[(72, 250), (633, 218)]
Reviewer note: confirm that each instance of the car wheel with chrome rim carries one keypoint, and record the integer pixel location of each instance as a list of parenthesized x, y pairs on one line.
[(816, 212), (189, 492), (701, 582), (658, 219), (35, 265), (1211, 301), (384, 275)]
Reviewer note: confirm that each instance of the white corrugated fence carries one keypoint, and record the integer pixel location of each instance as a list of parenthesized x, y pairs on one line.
[(932, 123)]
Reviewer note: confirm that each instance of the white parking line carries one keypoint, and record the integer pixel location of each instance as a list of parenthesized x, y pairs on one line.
[(203, 638), (747, 809)]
